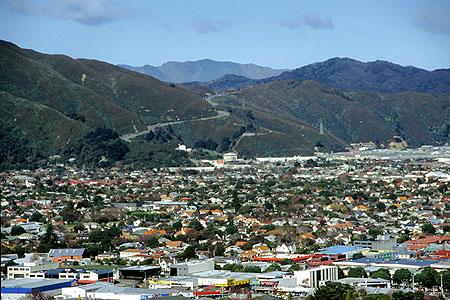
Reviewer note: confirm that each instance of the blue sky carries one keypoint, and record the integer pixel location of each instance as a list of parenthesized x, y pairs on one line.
[(278, 34)]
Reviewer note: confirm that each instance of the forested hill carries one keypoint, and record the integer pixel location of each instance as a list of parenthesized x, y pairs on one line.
[(345, 73), (48, 101)]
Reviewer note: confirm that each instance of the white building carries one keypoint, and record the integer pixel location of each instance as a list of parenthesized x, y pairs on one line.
[(183, 269), (230, 156), (24, 270), (312, 277)]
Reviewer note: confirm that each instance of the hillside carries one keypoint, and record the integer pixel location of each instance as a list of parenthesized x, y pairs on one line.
[(50, 100), (78, 108), (352, 116), (379, 76), (203, 70), (350, 74)]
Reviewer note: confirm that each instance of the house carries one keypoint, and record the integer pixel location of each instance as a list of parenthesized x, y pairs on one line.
[(107, 255), (286, 248), (61, 255), (248, 255), (126, 254), (174, 244)]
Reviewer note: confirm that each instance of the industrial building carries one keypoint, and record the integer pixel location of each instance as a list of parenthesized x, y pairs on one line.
[(190, 267), (13, 289)]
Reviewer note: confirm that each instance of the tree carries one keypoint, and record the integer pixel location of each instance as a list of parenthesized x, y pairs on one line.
[(188, 253), (374, 232), (177, 225), (219, 249), (428, 228), (273, 267), (49, 240), (357, 272), (231, 229), (403, 238), (377, 297), (79, 227), (153, 242), (233, 267), (381, 206), (427, 277), (402, 276), (381, 273), (70, 214), (357, 255), (399, 295), (295, 267), (36, 217), (252, 269), (17, 230), (446, 228), (334, 291), (445, 279), (195, 224)]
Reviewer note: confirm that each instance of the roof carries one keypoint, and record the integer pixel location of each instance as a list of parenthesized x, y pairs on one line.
[(139, 268), (340, 249), (66, 252), (416, 262), (367, 260), (133, 250), (174, 243), (31, 282)]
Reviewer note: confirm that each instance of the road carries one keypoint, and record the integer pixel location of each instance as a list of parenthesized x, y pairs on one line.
[(128, 136)]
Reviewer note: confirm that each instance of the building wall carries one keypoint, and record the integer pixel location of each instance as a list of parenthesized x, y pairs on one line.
[(312, 277), (201, 267)]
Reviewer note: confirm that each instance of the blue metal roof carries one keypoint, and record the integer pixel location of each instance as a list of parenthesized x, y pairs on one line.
[(367, 260), (415, 262), (339, 249)]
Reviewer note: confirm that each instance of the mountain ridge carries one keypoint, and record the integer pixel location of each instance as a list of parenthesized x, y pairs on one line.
[(347, 73), (203, 70)]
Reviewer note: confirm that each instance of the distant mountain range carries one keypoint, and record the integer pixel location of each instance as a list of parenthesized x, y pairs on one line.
[(203, 70), (350, 74)]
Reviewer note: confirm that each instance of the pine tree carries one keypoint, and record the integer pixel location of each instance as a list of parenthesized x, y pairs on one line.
[(49, 239)]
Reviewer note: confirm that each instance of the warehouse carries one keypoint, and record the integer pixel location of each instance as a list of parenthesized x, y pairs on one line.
[(18, 288)]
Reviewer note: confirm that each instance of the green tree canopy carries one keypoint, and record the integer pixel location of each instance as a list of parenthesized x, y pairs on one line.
[(402, 276), (188, 253), (273, 267), (377, 297), (334, 291), (427, 277), (49, 240), (70, 214), (381, 273), (195, 224), (399, 295), (252, 269), (428, 228), (357, 272), (36, 217), (357, 255), (17, 230)]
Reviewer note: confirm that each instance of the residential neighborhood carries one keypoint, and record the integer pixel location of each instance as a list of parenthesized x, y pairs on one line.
[(376, 221)]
